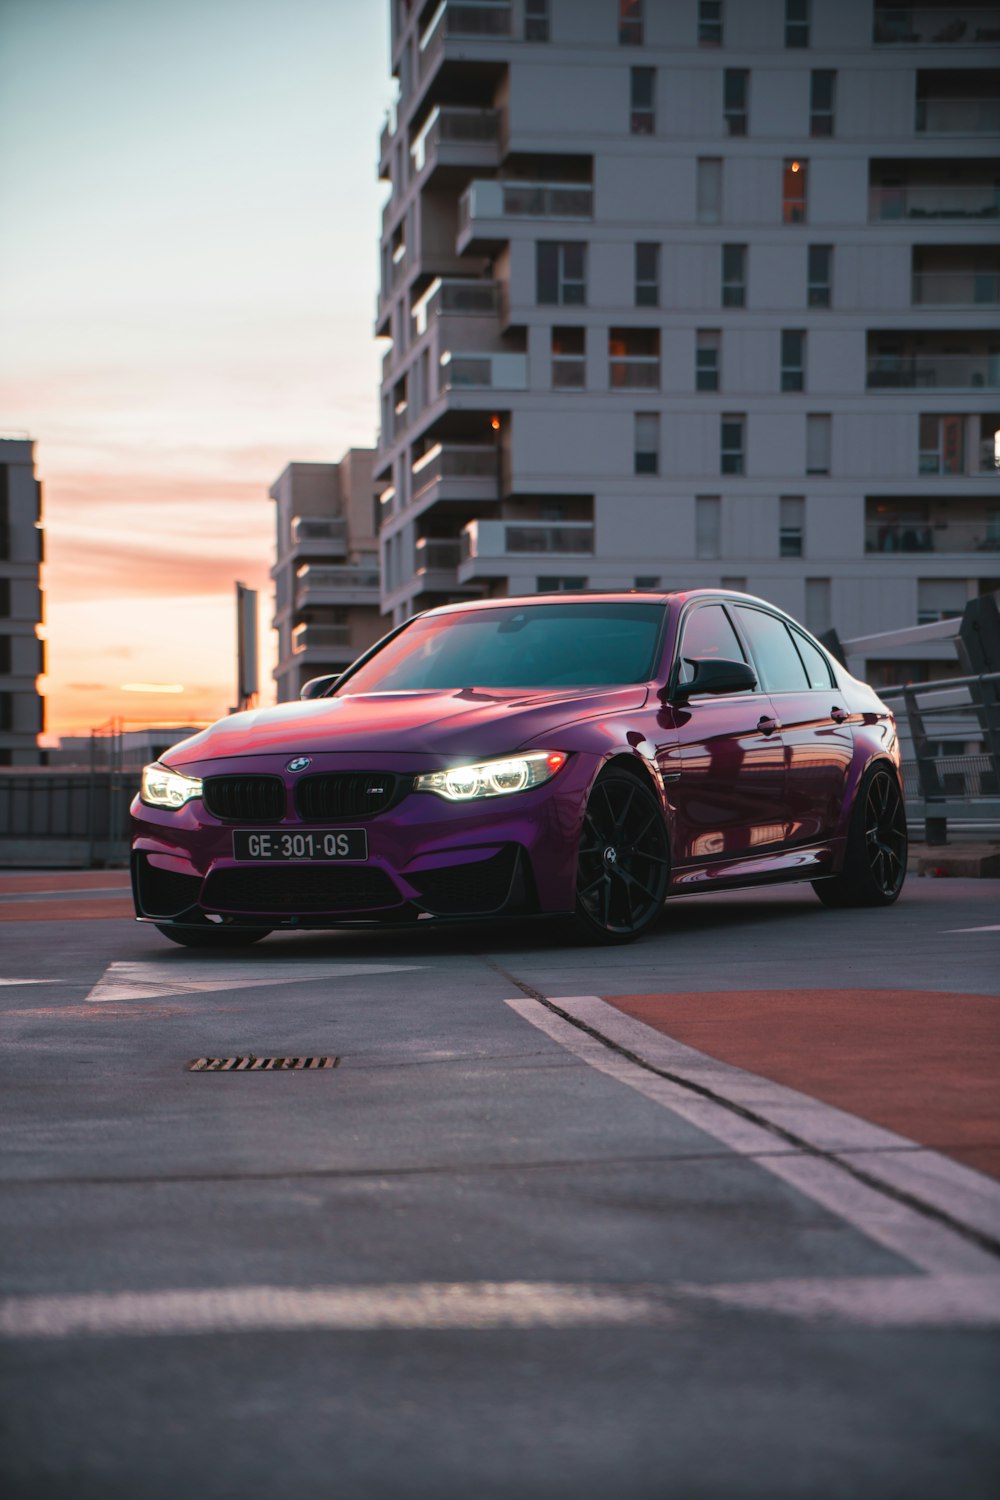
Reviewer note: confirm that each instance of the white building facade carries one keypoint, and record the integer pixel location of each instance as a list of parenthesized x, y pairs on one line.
[(22, 653), (690, 292)]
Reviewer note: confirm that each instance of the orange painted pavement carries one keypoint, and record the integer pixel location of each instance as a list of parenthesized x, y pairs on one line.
[(89, 908), (14, 882), (921, 1063)]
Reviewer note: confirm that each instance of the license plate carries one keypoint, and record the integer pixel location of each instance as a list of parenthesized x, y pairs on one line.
[(319, 844)]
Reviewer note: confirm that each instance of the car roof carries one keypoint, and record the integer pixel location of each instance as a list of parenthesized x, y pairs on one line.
[(600, 596)]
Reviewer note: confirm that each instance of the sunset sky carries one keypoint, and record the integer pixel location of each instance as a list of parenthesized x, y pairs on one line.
[(188, 265)]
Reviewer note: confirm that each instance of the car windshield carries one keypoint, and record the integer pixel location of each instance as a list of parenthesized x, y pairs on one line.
[(524, 646)]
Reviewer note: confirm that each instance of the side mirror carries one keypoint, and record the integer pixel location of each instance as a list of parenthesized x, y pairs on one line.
[(318, 687), (715, 675)]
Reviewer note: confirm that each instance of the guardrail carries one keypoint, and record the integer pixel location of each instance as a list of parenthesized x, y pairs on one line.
[(967, 786)]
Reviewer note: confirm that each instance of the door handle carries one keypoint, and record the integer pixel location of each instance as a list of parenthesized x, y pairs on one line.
[(767, 726), (839, 714)]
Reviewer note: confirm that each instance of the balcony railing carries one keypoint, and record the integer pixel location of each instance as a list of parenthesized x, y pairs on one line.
[(935, 25), (453, 461), (959, 288), (527, 538), (462, 370), (466, 297), (958, 116), (957, 371), (350, 577), (468, 18), (537, 200), (934, 536), (326, 637), (328, 530), (453, 126), (934, 200), (635, 372), (437, 554)]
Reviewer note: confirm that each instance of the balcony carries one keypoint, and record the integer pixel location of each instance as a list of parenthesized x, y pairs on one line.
[(488, 547), (319, 536), (437, 560), (457, 137), (935, 25), (957, 288), (957, 116), (319, 586), (457, 296), (926, 368), (916, 194), (464, 18), (330, 639), (945, 538), (485, 205), (464, 472), (462, 370)]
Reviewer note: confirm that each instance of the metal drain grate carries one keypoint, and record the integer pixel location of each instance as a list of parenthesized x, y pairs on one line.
[(252, 1064)]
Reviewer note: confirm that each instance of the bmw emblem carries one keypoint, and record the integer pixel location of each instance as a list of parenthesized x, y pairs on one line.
[(299, 763)]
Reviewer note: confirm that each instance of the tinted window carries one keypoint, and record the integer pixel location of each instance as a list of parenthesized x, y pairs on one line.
[(525, 646), (816, 665), (708, 633), (778, 662)]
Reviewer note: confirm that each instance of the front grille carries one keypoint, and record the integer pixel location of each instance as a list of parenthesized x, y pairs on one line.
[(347, 794), (250, 799), (300, 888), (468, 890), (162, 893)]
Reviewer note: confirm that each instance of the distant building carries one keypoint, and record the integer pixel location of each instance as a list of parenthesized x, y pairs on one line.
[(695, 292), (129, 750), (326, 582), (22, 654)]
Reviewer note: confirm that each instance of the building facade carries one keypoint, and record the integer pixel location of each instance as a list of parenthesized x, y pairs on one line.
[(694, 292), (326, 584), (22, 653)]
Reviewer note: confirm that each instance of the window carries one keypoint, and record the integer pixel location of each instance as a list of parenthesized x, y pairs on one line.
[(569, 368), (791, 524), (820, 275), (940, 599), (555, 583), (708, 633), (816, 665), (793, 359), (709, 189), (796, 23), (818, 443), (942, 446), (819, 615), (561, 272), (731, 435), (634, 358), (709, 23), (642, 120), (647, 442), (735, 91), (734, 275), (630, 23), (794, 181), (647, 581), (821, 93), (708, 344), (5, 655), (707, 526), (647, 274), (536, 20), (778, 663)]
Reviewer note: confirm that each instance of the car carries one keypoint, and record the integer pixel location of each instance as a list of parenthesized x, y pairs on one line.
[(582, 756)]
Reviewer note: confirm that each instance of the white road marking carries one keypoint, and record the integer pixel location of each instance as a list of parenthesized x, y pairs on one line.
[(994, 928), (967, 1196), (154, 981), (30, 981), (874, 1301)]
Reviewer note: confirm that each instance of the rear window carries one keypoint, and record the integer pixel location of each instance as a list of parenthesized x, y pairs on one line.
[(524, 646)]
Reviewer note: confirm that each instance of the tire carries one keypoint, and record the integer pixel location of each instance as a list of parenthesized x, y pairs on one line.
[(214, 937), (875, 863), (623, 867)]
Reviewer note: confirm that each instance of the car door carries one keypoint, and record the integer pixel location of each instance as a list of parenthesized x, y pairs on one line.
[(815, 724), (723, 754)]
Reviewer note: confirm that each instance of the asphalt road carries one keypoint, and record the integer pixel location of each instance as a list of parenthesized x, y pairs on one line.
[(532, 1236)]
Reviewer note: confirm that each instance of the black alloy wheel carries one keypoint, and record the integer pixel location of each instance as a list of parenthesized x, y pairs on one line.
[(877, 844), (624, 862)]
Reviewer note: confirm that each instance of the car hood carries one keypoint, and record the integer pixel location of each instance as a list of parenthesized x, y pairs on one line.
[(467, 721)]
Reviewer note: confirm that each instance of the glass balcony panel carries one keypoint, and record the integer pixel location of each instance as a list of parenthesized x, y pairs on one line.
[(928, 370), (961, 288), (325, 636), (437, 554), (499, 371), (923, 535), (639, 372), (958, 116), (934, 200), (935, 25)]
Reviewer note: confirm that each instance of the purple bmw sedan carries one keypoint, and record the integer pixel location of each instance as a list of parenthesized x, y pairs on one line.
[(576, 755)]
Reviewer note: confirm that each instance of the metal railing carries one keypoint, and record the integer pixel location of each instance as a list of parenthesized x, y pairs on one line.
[(454, 294), (454, 126), (955, 786)]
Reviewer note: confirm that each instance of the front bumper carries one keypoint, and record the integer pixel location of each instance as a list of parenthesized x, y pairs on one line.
[(426, 856)]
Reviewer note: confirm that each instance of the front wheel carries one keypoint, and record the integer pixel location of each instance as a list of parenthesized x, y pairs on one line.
[(877, 844), (213, 937), (624, 861)]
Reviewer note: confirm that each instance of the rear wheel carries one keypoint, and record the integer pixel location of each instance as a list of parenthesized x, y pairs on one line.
[(877, 843), (624, 862), (213, 937)]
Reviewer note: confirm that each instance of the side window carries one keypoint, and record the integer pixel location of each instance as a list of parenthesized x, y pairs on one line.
[(778, 662), (708, 633), (816, 665)]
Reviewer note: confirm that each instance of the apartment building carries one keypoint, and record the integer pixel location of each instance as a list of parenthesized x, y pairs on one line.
[(326, 584), (22, 654), (694, 292)]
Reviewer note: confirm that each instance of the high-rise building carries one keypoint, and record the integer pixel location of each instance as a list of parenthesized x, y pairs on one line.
[(326, 583), (22, 654), (695, 292)]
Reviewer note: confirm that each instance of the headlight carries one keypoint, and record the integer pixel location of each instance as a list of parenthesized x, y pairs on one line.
[(163, 788), (492, 778)]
